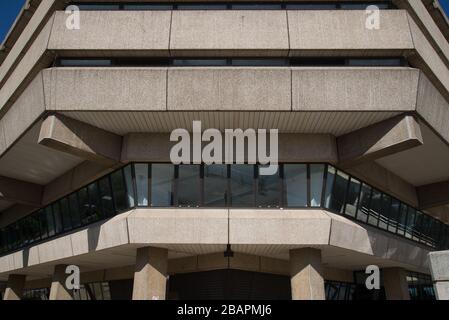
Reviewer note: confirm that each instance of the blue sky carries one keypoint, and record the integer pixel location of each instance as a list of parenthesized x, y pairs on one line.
[(9, 9)]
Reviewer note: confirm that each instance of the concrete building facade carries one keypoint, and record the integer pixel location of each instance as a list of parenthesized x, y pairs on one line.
[(360, 98)]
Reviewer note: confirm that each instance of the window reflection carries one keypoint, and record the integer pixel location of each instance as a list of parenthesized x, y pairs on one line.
[(316, 184), (268, 191), (295, 181), (162, 176), (242, 185), (215, 185), (189, 186), (142, 184)]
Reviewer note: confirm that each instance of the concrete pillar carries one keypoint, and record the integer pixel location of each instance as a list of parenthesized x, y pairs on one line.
[(58, 291), (14, 287), (150, 276), (395, 283), (439, 267), (306, 274)]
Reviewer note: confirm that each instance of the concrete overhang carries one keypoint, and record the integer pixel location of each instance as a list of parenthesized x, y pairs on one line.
[(269, 233)]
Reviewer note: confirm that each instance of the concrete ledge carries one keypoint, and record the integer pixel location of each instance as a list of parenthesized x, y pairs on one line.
[(439, 265), (263, 232)]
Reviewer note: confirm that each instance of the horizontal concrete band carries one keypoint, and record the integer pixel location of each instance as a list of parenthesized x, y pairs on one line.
[(225, 89), (203, 231)]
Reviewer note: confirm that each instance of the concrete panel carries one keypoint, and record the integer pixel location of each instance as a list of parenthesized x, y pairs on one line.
[(395, 283), (173, 226), (23, 113), (433, 107), (25, 37), (433, 195), (431, 60), (103, 235), (442, 290), (224, 33), (275, 266), (21, 192), (134, 32), (361, 89), (286, 227), (56, 249), (312, 31), (34, 59), (80, 139), (439, 265), (26, 257), (114, 89), (379, 140), (227, 89)]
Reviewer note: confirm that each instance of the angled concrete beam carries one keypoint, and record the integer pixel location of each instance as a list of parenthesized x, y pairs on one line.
[(379, 140), (80, 139), (20, 191), (433, 195)]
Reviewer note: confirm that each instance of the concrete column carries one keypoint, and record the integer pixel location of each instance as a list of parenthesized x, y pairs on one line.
[(439, 267), (58, 291), (150, 276), (14, 287), (306, 274), (395, 283)]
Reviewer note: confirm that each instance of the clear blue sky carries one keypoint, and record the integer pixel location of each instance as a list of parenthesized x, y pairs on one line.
[(9, 9)]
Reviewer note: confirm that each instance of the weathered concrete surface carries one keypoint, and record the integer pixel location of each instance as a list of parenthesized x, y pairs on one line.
[(379, 140), (80, 139), (229, 88), (58, 290), (433, 195), (131, 32), (306, 273), (361, 89), (150, 277), (20, 191), (439, 268), (312, 32), (224, 33)]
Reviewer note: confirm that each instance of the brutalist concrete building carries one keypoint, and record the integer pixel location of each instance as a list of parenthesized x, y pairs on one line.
[(360, 99)]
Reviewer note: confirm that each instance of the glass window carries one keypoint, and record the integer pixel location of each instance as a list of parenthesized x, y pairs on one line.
[(119, 191), (215, 185), (202, 6), (85, 62), (189, 186), (98, 7), (147, 6), (35, 228), (394, 215), (260, 62), (95, 212), (410, 224), (43, 224), (311, 6), (257, 6), (330, 179), (162, 185), (295, 182), (375, 207), (402, 219), (384, 211), (106, 199), (268, 190), (316, 184), (142, 183), (339, 192), (84, 206), (199, 62), (65, 212), (127, 171), (74, 210), (242, 185), (365, 198), (50, 221), (58, 218), (352, 198)]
